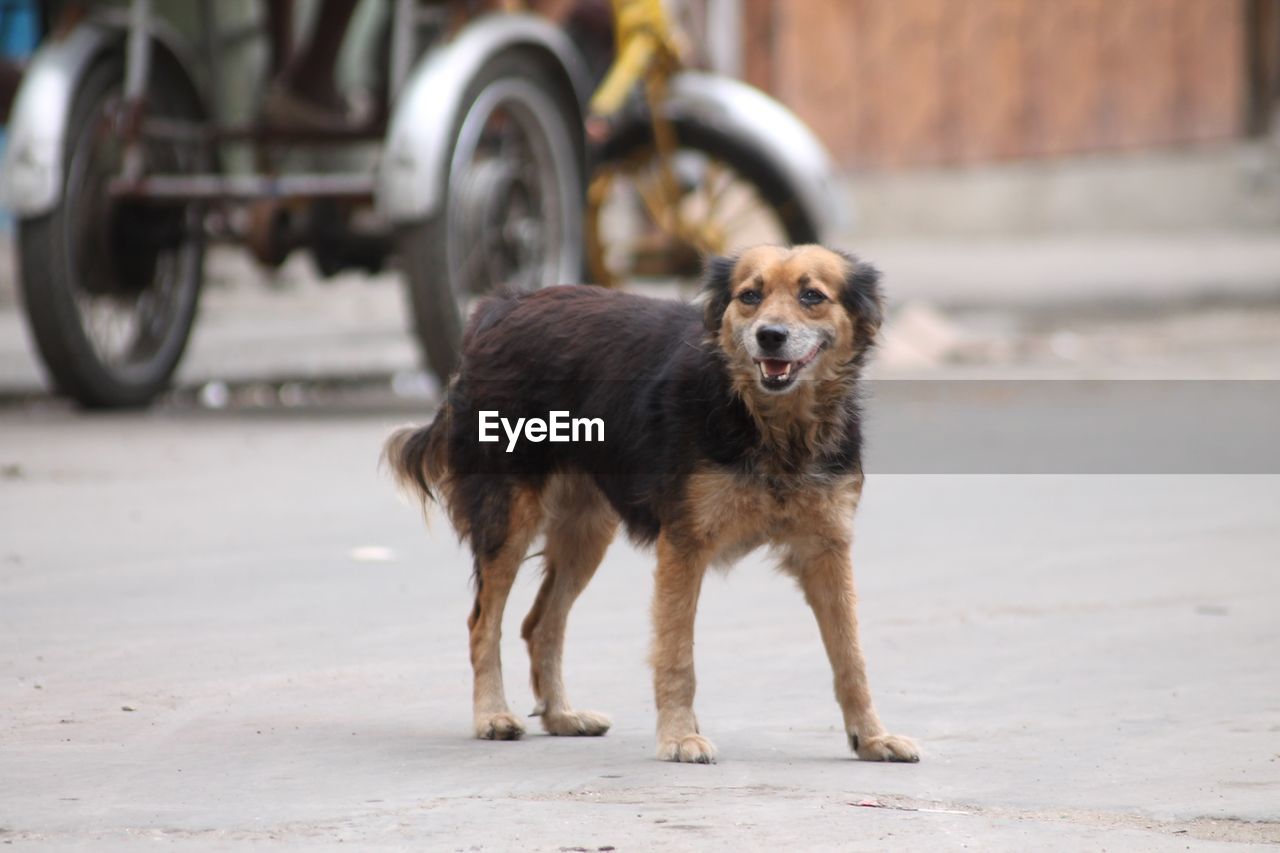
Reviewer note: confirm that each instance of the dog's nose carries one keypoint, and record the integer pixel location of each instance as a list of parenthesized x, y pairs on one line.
[(771, 337)]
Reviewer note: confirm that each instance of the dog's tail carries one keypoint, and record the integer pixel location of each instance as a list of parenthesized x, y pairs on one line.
[(417, 458)]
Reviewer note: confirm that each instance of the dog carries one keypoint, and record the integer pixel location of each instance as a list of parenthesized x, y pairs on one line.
[(727, 427)]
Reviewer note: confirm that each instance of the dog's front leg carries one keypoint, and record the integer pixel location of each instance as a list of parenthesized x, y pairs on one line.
[(826, 575), (675, 604)]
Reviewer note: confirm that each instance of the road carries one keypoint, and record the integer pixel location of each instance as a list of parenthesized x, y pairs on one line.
[(223, 629)]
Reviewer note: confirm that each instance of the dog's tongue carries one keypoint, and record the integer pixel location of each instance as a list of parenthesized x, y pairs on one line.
[(774, 367)]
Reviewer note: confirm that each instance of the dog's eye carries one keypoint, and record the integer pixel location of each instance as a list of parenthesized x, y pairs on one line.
[(812, 297), (749, 297)]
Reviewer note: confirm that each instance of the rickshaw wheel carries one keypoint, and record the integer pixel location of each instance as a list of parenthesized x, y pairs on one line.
[(512, 218), (110, 288)]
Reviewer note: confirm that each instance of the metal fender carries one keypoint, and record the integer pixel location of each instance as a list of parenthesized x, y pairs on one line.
[(756, 119), (415, 159), (31, 174)]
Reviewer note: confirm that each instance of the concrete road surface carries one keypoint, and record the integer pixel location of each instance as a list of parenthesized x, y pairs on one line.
[(224, 630)]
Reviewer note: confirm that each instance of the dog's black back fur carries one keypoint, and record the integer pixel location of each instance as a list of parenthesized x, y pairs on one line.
[(660, 386)]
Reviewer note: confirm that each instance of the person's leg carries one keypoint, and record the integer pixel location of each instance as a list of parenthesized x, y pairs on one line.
[(310, 72), (10, 80), (280, 27)]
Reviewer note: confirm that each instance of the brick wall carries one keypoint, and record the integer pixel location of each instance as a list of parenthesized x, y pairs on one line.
[(895, 83)]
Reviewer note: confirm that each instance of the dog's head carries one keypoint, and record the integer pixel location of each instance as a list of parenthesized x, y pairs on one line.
[(783, 314)]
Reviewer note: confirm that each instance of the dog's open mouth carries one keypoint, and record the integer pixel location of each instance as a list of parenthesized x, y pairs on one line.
[(777, 373)]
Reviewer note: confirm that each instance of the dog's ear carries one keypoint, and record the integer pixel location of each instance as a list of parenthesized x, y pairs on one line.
[(862, 298), (717, 283)]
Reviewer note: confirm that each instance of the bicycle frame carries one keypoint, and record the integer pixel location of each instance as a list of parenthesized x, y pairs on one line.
[(647, 52)]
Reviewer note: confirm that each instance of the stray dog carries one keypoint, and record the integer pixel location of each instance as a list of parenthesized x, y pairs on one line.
[(725, 429)]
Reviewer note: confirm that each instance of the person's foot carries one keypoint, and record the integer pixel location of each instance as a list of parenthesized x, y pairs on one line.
[(285, 108)]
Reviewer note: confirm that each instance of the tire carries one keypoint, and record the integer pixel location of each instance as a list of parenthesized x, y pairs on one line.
[(460, 253), (631, 150), (90, 256)]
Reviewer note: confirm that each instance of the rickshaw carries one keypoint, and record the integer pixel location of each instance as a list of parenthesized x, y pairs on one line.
[(115, 173)]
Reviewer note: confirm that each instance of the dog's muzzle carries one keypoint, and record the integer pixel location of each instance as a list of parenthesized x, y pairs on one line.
[(780, 353)]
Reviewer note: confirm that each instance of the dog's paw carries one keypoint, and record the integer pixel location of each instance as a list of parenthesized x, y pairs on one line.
[(691, 749), (576, 723), (885, 748), (500, 726)]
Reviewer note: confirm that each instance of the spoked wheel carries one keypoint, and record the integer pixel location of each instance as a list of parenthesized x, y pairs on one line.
[(512, 218), (110, 287), (647, 223)]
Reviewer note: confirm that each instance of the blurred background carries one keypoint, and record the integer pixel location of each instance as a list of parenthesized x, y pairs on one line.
[(1078, 116), (1082, 188)]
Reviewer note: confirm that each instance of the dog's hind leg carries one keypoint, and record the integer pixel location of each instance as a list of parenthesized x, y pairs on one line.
[(580, 526), (496, 568)]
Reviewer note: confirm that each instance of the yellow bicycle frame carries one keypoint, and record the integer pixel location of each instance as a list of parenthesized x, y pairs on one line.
[(646, 51)]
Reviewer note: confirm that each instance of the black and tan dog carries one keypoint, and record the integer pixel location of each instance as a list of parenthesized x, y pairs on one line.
[(726, 429)]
